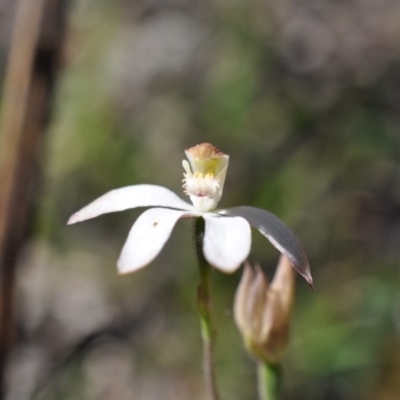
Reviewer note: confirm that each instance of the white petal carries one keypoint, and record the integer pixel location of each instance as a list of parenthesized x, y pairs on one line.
[(130, 197), (227, 241), (278, 234), (147, 237)]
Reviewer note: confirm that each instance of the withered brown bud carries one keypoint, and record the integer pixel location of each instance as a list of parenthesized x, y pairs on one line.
[(262, 311)]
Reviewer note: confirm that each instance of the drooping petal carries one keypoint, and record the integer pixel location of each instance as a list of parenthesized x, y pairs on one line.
[(130, 197), (147, 237), (227, 241), (278, 234)]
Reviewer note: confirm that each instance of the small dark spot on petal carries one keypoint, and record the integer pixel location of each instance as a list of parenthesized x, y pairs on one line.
[(155, 224)]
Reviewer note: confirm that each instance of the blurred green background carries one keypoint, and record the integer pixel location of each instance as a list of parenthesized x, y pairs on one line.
[(305, 98)]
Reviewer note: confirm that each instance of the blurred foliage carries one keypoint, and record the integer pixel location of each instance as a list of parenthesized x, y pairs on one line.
[(304, 97)]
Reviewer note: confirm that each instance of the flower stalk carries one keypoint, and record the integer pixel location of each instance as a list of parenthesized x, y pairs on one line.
[(269, 380), (204, 306)]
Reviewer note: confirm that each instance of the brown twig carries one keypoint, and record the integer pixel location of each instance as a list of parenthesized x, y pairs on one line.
[(24, 105)]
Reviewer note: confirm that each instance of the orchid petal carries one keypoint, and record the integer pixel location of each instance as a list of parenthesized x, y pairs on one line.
[(227, 241), (147, 237), (130, 197), (278, 234)]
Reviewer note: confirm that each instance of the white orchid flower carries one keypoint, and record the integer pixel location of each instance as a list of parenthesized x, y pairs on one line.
[(227, 238)]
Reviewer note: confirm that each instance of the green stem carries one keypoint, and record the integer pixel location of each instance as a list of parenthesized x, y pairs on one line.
[(269, 379), (204, 308)]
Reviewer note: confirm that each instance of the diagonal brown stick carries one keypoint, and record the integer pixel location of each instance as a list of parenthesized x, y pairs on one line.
[(24, 105)]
